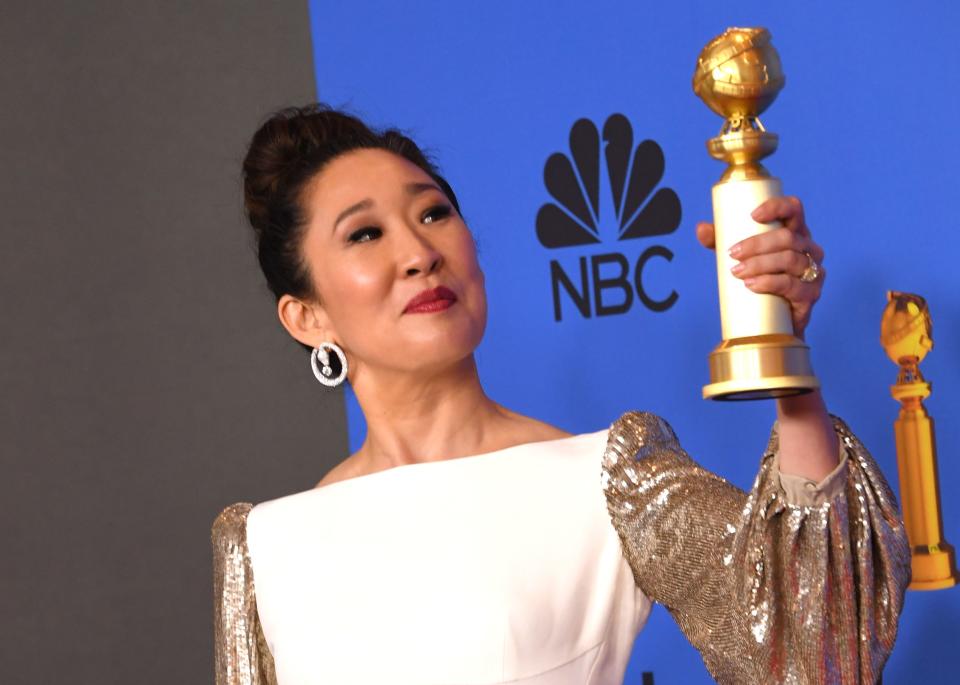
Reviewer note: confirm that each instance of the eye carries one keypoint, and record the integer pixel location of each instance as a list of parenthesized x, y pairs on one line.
[(365, 234), (436, 213)]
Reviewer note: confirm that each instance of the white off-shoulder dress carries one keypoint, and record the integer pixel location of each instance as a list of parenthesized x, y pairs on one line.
[(537, 565)]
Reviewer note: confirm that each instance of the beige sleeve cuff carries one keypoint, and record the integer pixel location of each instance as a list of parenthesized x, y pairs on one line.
[(805, 492)]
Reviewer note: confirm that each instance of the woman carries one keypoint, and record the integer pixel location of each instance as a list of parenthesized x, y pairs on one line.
[(466, 543)]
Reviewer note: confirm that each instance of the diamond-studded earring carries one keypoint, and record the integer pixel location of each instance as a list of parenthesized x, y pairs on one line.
[(324, 371)]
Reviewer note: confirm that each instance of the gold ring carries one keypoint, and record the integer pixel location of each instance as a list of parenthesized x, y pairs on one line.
[(812, 272)]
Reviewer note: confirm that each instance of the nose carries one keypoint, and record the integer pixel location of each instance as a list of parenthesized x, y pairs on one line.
[(419, 255)]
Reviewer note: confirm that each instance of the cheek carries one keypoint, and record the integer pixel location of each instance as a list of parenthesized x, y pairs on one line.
[(360, 280), (353, 290), (474, 279), (465, 250)]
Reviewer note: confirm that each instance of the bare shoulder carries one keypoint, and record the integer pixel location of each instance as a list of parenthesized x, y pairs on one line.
[(517, 429), (348, 468), (547, 431), (529, 429)]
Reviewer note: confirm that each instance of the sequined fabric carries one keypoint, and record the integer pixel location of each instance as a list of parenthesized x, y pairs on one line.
[(771, 586), (241, 656)]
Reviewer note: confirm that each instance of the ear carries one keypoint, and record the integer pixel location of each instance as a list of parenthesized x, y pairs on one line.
[(305, 321)]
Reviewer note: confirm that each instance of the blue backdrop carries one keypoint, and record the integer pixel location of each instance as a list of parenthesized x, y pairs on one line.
[(869, 141)]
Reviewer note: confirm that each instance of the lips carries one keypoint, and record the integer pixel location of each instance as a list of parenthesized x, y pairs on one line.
[(434, 300)]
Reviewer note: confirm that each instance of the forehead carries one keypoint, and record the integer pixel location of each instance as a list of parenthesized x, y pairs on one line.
[(358, 175)]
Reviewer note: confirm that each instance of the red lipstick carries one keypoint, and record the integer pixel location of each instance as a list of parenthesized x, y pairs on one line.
[(434, 300)]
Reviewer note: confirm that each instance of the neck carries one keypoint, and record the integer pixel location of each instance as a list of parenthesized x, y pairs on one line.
[(425, 416)]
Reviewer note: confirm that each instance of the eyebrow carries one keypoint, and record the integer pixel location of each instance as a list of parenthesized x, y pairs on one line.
[(352, 209), (417, 188), (411, 188)]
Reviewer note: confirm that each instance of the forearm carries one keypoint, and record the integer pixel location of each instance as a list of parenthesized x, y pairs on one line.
[(808, 442)]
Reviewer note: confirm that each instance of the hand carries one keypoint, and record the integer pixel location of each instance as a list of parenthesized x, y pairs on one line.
[(773, 262)]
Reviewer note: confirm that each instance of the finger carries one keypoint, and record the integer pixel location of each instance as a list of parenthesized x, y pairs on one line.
[(780, 262), (787, 209), (706, 234), (798, 293), (801, 296), (789, 286), (774, 241)]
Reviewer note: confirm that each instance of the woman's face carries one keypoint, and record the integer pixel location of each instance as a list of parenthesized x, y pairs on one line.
[(381, 233)]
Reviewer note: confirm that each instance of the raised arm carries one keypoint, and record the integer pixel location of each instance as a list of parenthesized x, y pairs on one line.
[(241, 655), (793, 582)]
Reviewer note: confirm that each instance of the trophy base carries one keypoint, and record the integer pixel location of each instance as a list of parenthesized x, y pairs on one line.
[(760, 367), (933, 568)]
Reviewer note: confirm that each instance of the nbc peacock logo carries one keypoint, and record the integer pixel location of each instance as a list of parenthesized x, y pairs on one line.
[(581, 216)]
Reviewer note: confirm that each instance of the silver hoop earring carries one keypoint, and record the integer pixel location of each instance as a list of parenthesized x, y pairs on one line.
[(324, 371)]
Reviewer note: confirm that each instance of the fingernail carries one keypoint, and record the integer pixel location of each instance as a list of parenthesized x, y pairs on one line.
[(737, 268), (756, 214), (749, 281), (735, 250)]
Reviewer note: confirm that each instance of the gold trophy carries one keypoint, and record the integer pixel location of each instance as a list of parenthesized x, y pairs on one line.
[(738, 76), (905, 333)]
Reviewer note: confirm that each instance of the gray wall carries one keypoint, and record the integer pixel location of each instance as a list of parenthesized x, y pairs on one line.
[(146, 382)]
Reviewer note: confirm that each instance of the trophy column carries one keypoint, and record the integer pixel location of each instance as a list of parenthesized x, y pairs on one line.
[(738, 76)]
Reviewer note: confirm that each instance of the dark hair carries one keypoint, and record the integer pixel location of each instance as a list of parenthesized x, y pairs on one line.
[(286, 152)]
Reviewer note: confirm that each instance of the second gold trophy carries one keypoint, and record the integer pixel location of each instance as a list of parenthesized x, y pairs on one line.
[(738, 76)]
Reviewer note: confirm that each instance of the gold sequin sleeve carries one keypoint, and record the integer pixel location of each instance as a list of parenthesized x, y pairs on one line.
[(790, 583), (241, 655)]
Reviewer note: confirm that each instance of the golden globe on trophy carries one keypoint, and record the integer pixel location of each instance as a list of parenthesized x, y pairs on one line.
[(738, 75)]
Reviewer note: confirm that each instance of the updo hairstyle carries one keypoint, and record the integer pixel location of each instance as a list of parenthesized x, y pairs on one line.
[(285, 154)]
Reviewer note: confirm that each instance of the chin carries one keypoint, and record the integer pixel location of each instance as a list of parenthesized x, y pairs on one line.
[(443, 350)]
